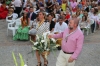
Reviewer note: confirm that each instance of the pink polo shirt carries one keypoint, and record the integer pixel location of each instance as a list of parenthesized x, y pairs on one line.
[(73, 43)]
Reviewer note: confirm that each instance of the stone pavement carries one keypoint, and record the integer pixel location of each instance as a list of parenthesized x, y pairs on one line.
[(90, 55)]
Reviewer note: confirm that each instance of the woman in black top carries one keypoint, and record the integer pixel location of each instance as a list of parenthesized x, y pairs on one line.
[(52, 23)]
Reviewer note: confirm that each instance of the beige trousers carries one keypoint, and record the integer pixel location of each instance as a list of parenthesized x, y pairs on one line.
[(62, 59)]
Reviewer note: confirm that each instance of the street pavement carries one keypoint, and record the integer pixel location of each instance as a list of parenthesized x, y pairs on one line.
[(90, 55)]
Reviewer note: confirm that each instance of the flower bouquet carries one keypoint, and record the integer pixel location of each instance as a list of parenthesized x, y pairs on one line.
[(44, 45)]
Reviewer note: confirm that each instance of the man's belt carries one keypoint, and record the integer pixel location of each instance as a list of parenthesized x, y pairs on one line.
[(68, 52)]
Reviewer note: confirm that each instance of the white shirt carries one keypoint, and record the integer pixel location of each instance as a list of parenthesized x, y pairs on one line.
[(90, 14), (17, 3), (25, 3), (34, 4), (15, 16), (98, 19), (95, 18), (78, 1), (12, 3), (60, 28)]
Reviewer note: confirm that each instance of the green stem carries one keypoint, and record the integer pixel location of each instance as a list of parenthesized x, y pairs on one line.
[(21, 60), (16, 64), (54, 53)]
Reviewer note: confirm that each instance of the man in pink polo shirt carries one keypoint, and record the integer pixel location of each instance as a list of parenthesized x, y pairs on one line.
[(71, 44)]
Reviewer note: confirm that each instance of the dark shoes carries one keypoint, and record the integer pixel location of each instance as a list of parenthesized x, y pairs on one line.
[(46, 63), (39, 64)]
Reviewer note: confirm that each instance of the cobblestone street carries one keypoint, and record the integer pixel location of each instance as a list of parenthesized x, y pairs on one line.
[(90, 55)]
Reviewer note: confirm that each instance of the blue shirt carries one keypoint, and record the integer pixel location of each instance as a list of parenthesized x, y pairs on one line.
[(59, 1)]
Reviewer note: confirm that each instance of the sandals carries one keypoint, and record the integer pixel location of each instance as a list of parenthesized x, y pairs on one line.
[(46, 63), (39, 64)]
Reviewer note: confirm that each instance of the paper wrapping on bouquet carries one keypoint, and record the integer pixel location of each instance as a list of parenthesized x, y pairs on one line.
[(33, 37), (58, 40), (32, 34), (45, 53)]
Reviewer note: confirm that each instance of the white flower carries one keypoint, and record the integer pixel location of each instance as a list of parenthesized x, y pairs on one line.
[(45, 34), (25, 65), (56, 46), (34, 48), (35, 43), (48, 49), (45, 44), (53, 39), (42, 41)]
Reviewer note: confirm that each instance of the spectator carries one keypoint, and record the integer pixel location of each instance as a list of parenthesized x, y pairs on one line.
[(18, 7), (60, 26), (34, 4), (99, 2), (31, 14), (82, 23), (64, 5), (93, 26), (80, 5), (73, 5), (3, 10), (24, 3), (28, 4), (59, 1), (52, 23), (11, 14), (22, 32), (12, 2), (68, 16), (49, 6), (99, 21)]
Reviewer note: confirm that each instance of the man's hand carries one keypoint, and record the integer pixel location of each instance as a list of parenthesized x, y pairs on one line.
[(49, 36), (70, 60)]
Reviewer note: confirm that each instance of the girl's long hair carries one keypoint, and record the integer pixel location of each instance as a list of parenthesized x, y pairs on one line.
[(25, 17)]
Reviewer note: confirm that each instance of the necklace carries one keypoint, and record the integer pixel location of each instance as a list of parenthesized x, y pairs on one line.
[(66, 38)]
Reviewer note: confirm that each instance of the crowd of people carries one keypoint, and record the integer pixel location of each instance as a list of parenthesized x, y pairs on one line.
[(52, 15), (86, 11)]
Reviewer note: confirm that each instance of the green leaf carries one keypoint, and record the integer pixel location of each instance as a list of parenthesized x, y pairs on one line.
[(21, 60), (16, 64)]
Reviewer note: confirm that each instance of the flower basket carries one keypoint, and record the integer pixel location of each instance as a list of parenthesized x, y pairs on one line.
[(59, 41), (44, 45), (45, 53)]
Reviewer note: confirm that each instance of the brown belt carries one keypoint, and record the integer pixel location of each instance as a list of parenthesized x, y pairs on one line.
[(68, 52)]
